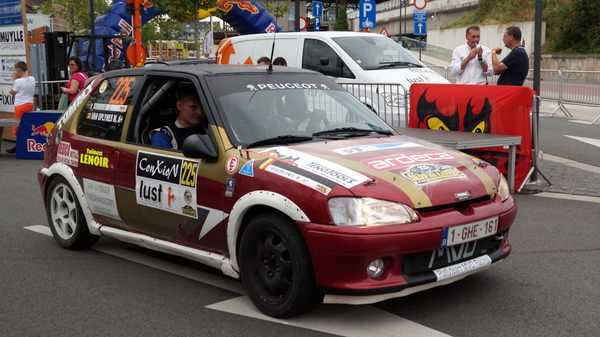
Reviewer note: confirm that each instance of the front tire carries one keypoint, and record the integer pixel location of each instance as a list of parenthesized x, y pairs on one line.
[(66, 218), (276, 267)]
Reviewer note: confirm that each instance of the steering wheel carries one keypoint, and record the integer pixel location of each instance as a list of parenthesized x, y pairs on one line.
[(314, 120)]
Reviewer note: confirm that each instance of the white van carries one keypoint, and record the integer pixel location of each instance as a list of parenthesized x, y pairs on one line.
[(373, 67)]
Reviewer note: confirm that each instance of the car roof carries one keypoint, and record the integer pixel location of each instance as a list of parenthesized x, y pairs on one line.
[(179, 61), (210, 69), (330, 34)]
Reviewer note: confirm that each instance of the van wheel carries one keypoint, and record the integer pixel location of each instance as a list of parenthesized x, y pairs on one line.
[(276, 267), (66, 218)]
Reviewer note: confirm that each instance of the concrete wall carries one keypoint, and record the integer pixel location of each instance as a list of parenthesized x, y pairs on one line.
[(491, 36)]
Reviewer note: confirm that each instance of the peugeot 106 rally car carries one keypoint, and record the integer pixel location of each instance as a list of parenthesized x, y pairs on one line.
[(296, 188)]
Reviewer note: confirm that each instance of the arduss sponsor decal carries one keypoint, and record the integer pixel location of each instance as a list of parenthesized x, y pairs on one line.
[(320, 167), (431, 173), (166, 183), (399, 160), (375, 147)]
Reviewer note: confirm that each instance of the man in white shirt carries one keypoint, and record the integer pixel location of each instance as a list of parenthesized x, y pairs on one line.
[(22, 89), (471, 62)]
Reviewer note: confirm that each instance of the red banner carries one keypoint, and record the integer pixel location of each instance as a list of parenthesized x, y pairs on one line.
[(492, 109)]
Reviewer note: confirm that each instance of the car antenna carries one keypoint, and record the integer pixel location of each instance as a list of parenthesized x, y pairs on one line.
[(270, 69)]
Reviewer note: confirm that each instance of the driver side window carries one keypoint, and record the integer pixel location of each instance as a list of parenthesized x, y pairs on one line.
[(314, 50)]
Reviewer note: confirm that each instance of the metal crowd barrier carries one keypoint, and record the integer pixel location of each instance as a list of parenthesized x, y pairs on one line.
[(49, 94), (388, 101)]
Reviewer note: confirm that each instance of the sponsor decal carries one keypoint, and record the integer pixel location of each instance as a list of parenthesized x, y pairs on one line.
[(282, 86), (375, 147), (42, 130), (399, 160), (230, 184), (101, 198), (94, 158), (65, 154), (331, 171), (103, 86), (110, 107), (425, 174), (34, 146), (462, 195), (166, 183), (248, 169), (299, 179), (231, 164)]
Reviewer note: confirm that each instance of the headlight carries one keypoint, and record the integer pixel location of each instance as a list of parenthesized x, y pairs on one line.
[(503, 189), (369, 212)]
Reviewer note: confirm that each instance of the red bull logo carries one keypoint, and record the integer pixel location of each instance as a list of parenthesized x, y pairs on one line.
[(245, 5), (43, 130)]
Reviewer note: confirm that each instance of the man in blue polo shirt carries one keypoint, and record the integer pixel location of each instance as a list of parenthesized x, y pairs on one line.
[(514, 67)]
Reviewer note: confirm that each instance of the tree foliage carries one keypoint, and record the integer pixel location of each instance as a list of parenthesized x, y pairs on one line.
[(75, 12), (160, 28), (341, 21), (183, 10), (276, 8)]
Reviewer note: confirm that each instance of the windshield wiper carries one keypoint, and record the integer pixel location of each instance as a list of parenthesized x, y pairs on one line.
[(392, 64), (351, 132), (285, 139)]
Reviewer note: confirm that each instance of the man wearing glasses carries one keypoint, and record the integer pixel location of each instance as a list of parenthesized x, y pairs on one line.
[(514, 67)]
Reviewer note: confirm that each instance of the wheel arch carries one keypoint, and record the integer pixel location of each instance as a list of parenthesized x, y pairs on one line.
[(248, 206), (60, 170)]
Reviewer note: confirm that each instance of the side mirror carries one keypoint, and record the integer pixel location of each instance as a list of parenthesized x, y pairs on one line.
[(200, 147), (329, 70)]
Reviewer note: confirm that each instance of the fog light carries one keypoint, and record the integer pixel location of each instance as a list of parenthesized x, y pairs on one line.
[(376, 268)]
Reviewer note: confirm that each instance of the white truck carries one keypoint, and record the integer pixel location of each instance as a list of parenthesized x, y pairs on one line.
[(373, 67)]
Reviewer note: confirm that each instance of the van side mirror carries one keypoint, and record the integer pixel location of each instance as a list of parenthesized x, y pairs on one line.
[(199, 146), (329, 70)]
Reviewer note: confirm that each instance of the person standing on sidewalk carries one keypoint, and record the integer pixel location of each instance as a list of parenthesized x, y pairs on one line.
[(77, 81), (514, 67), (472, 62), (22, 89)]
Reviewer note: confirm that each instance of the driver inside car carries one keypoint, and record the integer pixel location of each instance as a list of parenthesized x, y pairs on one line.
[(190, 120)]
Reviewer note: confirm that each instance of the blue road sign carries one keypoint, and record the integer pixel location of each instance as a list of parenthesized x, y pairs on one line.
[(420, 19), (317, 9), (317, 24), (367, 11)]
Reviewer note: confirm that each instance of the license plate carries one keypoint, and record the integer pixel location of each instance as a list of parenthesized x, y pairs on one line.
[(470, 232), (462, 268)]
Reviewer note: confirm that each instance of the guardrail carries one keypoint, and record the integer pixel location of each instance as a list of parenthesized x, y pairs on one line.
[(569, 86)]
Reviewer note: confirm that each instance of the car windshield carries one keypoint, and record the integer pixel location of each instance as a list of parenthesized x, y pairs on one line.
[(377, 52), (276, 109)]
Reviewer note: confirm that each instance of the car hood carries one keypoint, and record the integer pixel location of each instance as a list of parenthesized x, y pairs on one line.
[(397, 168)]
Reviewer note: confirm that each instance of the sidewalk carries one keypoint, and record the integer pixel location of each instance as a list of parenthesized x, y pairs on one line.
[(567, 176)]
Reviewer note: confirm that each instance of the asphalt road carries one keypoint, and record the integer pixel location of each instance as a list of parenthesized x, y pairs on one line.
[(546, 287)]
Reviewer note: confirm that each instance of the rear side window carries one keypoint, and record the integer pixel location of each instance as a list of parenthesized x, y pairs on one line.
[(104, 113)]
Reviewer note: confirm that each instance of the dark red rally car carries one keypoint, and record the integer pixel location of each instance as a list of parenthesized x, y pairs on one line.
[(296, 188)]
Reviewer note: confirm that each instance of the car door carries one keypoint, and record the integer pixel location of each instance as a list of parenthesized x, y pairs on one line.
[(161, 192), (91, 148)]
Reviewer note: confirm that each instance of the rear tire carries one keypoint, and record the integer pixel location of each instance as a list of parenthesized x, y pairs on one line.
[(66, 218), (276, 267)]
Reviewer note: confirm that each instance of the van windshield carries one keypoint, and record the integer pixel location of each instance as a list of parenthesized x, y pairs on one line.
[(377, 52)]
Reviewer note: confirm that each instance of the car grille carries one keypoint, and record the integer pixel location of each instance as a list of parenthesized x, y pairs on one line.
[(459, 206)]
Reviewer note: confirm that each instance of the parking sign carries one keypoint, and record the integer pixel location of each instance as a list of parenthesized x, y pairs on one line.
[(367, 11)]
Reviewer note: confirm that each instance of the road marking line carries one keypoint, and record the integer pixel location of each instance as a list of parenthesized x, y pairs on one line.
[(567, 196), (359, 321), (591, 141), (571, 163), (580, 121)]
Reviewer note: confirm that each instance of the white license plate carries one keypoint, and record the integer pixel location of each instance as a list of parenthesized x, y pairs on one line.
[(470, 232), (462, 268)]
